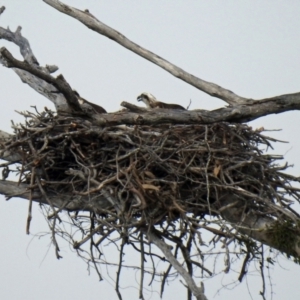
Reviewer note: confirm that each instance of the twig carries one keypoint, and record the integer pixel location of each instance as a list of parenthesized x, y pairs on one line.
[(141, 296), (29, 217), (261, 267), (206, 170), (166, 273), (119, 269)]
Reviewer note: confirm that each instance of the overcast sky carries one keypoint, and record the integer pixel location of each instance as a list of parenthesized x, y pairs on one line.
[(249, 47)]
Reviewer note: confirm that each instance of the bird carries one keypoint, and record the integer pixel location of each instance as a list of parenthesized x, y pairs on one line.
[(86, 105), (152, 102)]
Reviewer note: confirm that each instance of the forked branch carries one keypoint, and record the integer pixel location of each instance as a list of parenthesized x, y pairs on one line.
[(93, 23), (165, 249)]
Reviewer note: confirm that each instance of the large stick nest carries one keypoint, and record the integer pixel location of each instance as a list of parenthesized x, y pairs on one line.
[(163, 179), (155, 173)]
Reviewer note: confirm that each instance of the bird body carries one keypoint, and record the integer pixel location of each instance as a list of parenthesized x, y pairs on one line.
[(89, 105), (152, 102)]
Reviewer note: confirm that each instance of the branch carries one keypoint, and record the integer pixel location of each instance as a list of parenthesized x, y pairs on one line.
[(96, 203), (34, 82), (288, 102), (58, 90), (17, 38), (60, 83), (93, 23), (133, 108), (237, 114), (197, 291), (255, 226)]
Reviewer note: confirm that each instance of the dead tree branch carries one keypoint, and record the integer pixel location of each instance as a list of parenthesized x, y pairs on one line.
[(165, 249), (93, 23), (58, 90), (207, 87), (60, 83)]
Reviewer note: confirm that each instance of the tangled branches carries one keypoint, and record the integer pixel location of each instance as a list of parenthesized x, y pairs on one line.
[(170, 182)]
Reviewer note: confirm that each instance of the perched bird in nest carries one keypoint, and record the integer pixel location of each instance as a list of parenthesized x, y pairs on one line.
[(152, 102), (89, 105)]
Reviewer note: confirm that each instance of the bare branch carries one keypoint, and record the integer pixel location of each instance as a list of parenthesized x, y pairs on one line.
[(91, 22), (19, 40), (69, 202), (256, 227), (197, 291), (34, 82), (60, 83), (210, 88), (237, 114), (133, 108)]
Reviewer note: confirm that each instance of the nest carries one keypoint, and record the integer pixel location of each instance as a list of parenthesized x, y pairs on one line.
[(155, 173), (125, 181)]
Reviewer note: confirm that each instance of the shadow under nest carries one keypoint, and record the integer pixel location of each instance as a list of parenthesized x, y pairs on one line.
[(150, 174)]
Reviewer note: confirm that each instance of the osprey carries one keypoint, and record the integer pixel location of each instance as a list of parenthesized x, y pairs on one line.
[(151, 102), (89, 105)]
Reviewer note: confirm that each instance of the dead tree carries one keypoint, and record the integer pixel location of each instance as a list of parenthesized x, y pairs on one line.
[(139, 177)]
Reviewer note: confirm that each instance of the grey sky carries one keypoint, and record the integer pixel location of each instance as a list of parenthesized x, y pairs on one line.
[(249, 47)]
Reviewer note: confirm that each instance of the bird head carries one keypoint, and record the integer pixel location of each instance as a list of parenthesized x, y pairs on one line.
[(147, 98)]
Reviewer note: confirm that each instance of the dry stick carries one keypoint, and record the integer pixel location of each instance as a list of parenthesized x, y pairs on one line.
[(94, 24), (148, 253), (92, 244), (39, 182), (33, 150), (119, 269), (166, 274), (77, 245), (202, 267), (141, 296), (261, 267), (104, 237), (227, 257), (55, 213), (52, 227), (40, 185), (244, 266), (30, 201), (197, 291), (185, 250), (133, 108), (82, 165), (17, 38), (153, 265), (206, 170)]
